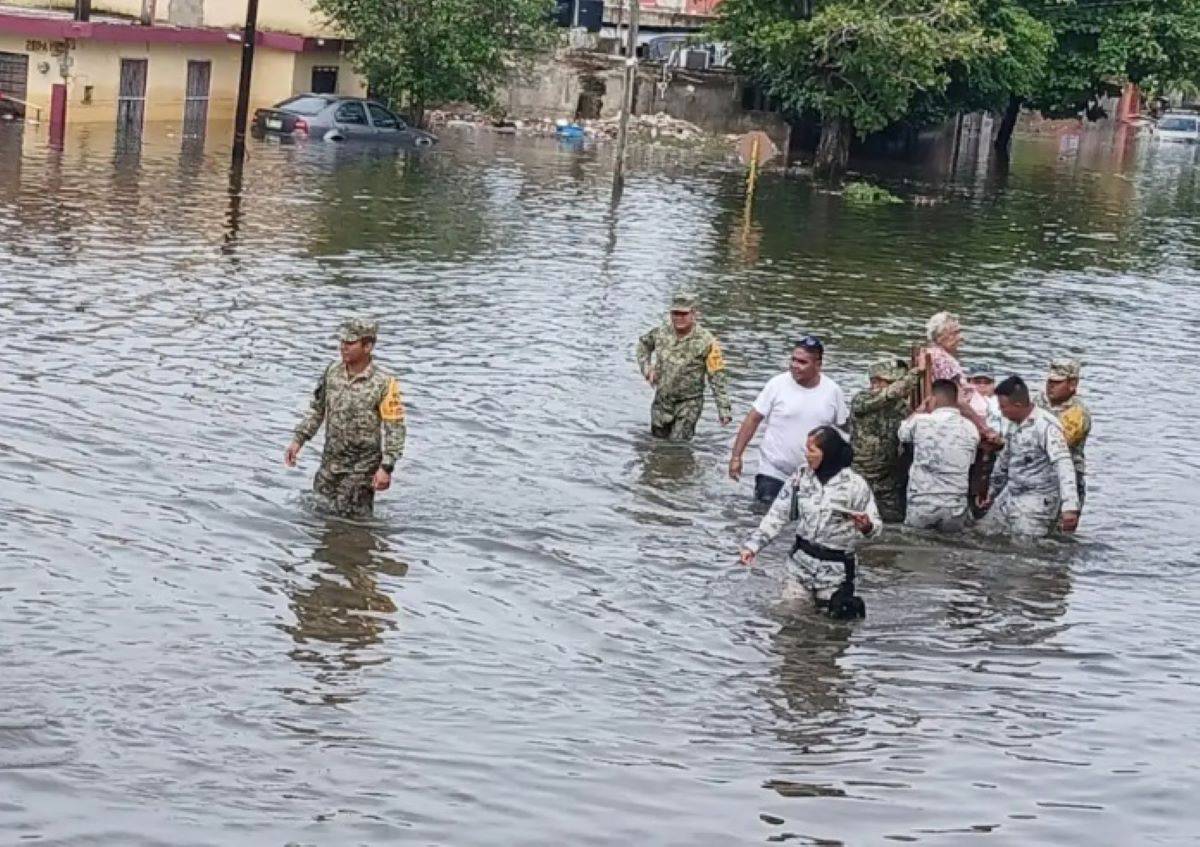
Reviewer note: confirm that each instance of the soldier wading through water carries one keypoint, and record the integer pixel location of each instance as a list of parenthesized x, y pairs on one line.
[(875, 415), (355, 399), (834, 510), (676, 358), (1033, 484)]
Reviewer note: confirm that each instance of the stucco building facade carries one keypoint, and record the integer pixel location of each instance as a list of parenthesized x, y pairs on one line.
[(135, 61)]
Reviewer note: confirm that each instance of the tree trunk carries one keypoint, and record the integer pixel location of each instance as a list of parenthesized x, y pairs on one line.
[(833, 150), (1003, 144)]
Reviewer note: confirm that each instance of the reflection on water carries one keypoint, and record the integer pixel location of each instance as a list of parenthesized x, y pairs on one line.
[(809, 677), (343, 603), (543, 637), (341, 613)]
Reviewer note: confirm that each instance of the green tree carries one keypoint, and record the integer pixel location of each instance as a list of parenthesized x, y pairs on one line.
[(990, 81), (1100, 45), (422, 52), (859, 65)]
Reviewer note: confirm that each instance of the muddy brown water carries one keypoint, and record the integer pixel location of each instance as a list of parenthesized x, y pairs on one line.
[(541, 638)]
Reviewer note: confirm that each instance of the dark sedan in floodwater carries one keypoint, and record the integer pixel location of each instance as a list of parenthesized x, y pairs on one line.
[(330, 117)]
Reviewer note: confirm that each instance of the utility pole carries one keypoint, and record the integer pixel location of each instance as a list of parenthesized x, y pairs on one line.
[(631, 67), (249, 35)]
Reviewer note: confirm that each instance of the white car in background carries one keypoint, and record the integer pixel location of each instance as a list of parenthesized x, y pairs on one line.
[(1178, 126)]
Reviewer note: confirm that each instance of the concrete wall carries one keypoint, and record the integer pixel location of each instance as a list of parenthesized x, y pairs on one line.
[(712, 100), (551, 88), (687, 7), (96, 71)]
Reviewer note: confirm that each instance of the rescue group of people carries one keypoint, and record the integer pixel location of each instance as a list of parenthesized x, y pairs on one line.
[(930, 445)]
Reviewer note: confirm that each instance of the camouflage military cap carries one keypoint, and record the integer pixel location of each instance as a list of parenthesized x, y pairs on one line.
[(1063, 369), (889, 369), (356, 328), (683, 302), (981, 372)]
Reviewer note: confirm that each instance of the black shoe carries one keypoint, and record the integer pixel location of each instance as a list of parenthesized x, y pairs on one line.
[(844, 605)]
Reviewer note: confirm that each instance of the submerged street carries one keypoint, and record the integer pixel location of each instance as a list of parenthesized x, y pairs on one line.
[(543, 636)]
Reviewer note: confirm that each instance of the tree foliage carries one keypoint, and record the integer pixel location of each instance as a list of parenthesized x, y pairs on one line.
[(876, 62), (1017, 67), (859, 61), (422, 52), (1102, 44)]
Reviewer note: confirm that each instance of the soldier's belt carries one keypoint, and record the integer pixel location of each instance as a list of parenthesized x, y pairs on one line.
[(821, 552)]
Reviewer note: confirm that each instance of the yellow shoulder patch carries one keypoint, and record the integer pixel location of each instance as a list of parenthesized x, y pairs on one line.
[(391, 410), (715, 361), (1074, 425)]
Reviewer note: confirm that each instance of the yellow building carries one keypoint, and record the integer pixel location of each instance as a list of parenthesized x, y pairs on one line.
[(162, 60)]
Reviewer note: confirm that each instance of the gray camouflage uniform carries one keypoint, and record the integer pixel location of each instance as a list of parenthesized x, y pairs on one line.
[(944, 445), (818, 511), (355, 409), (1033, 481)]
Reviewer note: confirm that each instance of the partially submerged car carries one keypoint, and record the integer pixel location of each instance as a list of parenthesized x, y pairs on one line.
[(332, 117), (1178, 126)]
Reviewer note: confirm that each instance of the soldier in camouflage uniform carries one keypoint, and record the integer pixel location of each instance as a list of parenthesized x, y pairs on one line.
[(676, 358), (1060, 399), (944, 444), (355, 399), (1033, 484), (876, 414)]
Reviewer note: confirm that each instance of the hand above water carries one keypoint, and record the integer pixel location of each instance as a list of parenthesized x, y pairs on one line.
[(1069, 522), (735, 468), (382, 480), (290, 455), (747, 557)]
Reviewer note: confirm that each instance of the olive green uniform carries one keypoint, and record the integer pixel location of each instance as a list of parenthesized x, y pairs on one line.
[(355, 409), (876, 419), (681, 366)]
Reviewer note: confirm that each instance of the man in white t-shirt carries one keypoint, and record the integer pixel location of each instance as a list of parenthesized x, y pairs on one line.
[(793, 404)]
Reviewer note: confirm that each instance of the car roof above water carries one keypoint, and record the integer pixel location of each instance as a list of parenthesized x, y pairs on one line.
[(312, 104)]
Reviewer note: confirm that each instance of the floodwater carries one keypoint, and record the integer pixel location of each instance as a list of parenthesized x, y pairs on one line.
[(542, 637)]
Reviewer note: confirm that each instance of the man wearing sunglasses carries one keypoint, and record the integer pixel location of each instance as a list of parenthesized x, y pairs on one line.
[(793, 404), (676, 358)]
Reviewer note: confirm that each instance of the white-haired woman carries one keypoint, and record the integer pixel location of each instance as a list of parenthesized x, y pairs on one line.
[(945, 336)]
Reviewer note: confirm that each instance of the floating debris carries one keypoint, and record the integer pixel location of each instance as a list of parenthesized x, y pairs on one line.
[(863, 193)]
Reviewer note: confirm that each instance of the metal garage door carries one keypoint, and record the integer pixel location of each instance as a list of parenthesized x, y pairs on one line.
[(14, 74)]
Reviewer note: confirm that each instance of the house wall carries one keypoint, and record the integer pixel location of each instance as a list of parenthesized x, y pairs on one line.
[(96, 72), (124, 8), (295, 16), (348, 82)]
